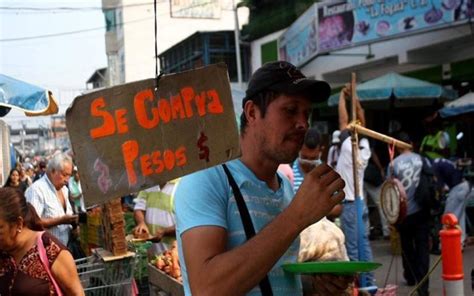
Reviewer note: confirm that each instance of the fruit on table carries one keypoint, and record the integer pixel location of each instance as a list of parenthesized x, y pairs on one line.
[(169, 262)]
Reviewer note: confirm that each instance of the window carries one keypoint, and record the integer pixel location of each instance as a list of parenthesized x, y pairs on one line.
[(110, 20)]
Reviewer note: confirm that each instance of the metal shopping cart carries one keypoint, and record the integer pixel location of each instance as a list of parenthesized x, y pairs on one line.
[(107, 275)]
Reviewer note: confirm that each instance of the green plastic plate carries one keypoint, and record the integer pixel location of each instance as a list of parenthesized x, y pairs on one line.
[(335, 267)]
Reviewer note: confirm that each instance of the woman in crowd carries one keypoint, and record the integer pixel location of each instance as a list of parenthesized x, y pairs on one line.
[(22, 271), (14, 181)]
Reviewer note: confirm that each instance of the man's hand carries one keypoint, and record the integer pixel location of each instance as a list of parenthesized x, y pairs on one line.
[(140, 230), (320, 191), (346, 91), (70, 219), (329, 284), (160, 232)]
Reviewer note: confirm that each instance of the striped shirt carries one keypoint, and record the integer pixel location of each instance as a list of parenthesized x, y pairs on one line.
[(157, 204), (298, 175), (43, 197)]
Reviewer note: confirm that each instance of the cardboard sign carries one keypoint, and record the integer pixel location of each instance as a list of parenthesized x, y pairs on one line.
[(131, 137)]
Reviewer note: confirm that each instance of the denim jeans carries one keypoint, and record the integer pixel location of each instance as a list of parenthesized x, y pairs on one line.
[(373, 192), (456, 203), (349, 227)]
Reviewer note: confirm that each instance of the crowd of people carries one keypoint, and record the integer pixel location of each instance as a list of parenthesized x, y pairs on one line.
[(237, 223)]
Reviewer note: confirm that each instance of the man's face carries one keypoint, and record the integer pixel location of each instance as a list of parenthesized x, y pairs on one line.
[(59, 178), (281, 132), (308, 158)]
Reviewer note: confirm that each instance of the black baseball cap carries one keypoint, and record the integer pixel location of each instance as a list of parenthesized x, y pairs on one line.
[(281, 76)]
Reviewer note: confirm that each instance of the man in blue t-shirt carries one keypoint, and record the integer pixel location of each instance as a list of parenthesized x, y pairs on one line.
[(215, 255), (450, 178), (414, 229)]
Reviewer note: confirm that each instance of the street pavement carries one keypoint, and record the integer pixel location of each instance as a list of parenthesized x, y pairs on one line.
[(382, 254)]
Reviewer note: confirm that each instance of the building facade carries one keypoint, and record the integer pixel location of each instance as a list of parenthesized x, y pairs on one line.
[(130, 37)]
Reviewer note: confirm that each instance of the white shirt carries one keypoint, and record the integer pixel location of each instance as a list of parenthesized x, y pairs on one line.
[(344, 165), (43, 197), (333, 155)]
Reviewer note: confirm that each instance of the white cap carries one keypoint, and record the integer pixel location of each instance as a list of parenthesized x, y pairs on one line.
[(335, 137)]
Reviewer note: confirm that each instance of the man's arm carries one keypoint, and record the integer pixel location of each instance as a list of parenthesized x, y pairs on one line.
[(360, 113), (35, 197), (212, 268), (141, 227), (342, 109), (139, 212), (66, 219), (346, 93)]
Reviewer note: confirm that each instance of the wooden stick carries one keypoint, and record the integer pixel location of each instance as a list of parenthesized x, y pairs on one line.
[(353, 96), (378, 136), (355, 140)]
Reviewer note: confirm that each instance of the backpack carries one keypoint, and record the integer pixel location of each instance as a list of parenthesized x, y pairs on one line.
[(426, 194)]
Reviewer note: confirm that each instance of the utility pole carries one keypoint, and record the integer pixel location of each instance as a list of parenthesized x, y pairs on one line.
[(237, 45)]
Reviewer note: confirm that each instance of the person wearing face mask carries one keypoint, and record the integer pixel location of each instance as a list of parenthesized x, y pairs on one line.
[(308, 158), (323, 240)]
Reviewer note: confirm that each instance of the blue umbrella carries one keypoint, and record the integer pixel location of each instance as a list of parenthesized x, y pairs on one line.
[(406, 91), (463, 105), (31, 99)]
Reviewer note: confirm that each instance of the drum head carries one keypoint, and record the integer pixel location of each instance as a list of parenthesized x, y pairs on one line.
[(393, 201)]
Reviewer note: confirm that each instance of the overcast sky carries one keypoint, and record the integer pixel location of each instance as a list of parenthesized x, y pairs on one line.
[(61, 63)]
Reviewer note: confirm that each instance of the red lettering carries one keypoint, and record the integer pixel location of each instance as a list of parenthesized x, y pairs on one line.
[(130, 153), (201, 103), (165, 110), (188, 95), (215, 105), (177, 107), (168, 157), (181, 156), (145, 162), (108, 127), (139, 104), (156, 158), (122, 126)]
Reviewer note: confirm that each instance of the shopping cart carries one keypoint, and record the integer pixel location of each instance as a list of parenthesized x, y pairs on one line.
[(101, 277)]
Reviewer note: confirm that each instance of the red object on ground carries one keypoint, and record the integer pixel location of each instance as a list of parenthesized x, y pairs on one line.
[(451, 248)]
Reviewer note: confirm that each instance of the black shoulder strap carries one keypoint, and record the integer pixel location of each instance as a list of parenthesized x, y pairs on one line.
[(248, 226)]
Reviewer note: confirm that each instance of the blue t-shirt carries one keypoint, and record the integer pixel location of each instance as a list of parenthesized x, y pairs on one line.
[(446, 172), (407, 169), (206, 198)]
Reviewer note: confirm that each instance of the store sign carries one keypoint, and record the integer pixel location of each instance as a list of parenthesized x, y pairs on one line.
[(349, 23), (341, 24), (131, 137), (299, 43), (195, 9)]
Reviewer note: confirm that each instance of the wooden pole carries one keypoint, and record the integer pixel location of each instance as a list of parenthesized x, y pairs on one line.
[(378, 136), (354, 138)]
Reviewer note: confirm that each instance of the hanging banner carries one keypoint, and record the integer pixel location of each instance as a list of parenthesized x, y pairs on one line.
[(131, 137), (348, 23), (299, 43)]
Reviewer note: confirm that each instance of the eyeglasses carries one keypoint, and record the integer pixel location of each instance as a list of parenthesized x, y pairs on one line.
[(312, 162)]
